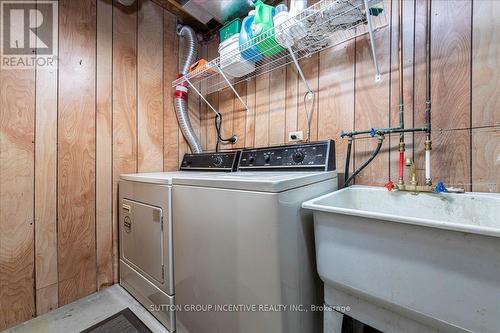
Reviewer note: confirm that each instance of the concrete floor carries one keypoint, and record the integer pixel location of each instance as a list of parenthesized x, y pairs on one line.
[(79, 315)]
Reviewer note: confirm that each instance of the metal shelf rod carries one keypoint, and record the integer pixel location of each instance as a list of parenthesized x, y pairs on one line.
[(202, 97), (299, 69), (232, 88), (372, 41)]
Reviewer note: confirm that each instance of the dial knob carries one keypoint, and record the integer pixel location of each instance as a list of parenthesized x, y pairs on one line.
[(217, 161), (251, 159), (267, 158), (298, 156)]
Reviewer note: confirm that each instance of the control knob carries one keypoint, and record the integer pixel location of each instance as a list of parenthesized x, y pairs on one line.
[(267, 158), (298, 156), (217, 161)]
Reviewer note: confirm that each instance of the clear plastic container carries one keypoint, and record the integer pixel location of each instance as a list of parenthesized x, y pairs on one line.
[(231, 61), (280, 20), (288, 30)]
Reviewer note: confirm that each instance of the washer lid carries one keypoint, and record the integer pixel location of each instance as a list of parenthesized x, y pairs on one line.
[(164, 178), (264, 181)]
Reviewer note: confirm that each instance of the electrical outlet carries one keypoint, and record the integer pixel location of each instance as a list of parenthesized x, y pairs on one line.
[(296, 136)]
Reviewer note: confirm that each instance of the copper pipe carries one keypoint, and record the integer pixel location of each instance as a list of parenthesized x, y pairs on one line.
[(400, 64), (401, 94), (428, 72), (428, 141)]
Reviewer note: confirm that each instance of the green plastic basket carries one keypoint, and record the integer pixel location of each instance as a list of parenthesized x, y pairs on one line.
[(229, 29)]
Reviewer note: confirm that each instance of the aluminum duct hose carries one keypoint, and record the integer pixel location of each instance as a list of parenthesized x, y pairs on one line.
[(188, 53)]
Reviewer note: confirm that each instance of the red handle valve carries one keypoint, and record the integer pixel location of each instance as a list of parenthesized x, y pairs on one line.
[(389, 186)]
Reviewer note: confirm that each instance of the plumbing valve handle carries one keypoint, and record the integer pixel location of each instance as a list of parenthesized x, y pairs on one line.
[(389, 186), (440, 188)]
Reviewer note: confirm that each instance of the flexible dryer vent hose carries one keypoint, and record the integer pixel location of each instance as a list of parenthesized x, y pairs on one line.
[(188, 53)]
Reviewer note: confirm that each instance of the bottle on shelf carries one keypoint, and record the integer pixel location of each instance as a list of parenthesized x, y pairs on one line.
[(263, 30), (248, 49)]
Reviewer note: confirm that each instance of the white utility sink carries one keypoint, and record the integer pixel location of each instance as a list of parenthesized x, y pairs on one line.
[(404, 262)]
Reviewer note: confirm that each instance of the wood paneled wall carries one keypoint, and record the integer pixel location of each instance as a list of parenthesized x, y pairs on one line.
[(66, 134), (465, 96)]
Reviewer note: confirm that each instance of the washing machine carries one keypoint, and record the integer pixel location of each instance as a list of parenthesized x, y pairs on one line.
[(145, 227), (243, 246)]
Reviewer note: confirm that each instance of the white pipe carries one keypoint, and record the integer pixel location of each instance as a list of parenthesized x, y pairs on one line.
[(427, 166)]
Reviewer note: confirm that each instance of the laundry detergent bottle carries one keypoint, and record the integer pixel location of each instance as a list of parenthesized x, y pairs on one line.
[(248, 49), (263, 30)]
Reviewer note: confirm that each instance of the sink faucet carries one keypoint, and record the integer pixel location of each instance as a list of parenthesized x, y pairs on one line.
[(413, 171), (411, 186)]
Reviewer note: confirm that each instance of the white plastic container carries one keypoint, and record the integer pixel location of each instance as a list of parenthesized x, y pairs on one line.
[(231, 61)]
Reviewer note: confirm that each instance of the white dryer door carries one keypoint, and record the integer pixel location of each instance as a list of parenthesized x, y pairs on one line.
[(142, 237)]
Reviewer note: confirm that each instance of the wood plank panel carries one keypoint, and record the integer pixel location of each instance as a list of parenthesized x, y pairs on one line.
[(76, 157), (213, 99), (239, 115), (46, 185), (277, 106), (250, 114), (372, 104), (104, 144), (226, 105), (262, 110), (336, 99), (203, 106), (47, 299), (486, 63), (17, 101), (310, 67), (292, 99), (124, 105), (170, 71), (150, 87), (451, 158), (451, 64), (486, 159)]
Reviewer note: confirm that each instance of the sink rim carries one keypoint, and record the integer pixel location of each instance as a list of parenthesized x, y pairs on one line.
[(426, 222)]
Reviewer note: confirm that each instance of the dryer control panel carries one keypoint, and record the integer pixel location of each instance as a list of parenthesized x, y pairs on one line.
[(224, 161), (317, 156)]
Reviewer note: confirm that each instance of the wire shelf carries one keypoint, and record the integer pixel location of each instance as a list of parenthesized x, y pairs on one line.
[(316, 28)]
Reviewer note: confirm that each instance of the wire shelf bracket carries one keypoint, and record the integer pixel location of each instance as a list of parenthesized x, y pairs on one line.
[(378, 76), (321, 26)]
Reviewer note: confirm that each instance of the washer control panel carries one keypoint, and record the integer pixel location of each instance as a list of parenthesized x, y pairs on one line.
[(308, 156), (224, 161)]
